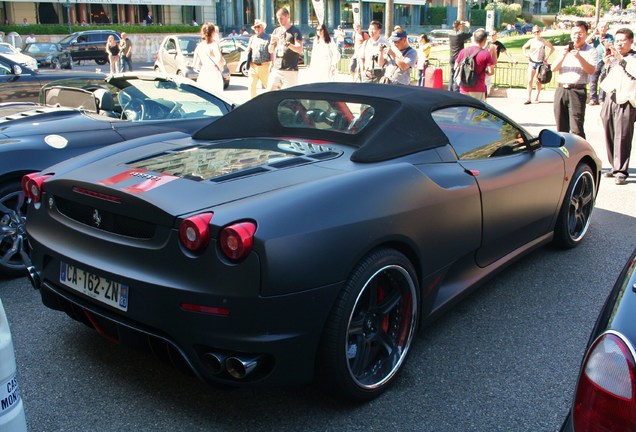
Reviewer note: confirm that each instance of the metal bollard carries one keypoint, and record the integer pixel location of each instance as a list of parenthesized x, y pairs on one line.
[(11, 407)]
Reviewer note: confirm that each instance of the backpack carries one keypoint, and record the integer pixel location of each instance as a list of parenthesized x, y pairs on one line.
[(544, 73), (465, 73)]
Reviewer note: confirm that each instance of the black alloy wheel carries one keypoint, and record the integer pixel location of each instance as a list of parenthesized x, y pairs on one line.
[(576, 211), (369, 332), (14, 247)]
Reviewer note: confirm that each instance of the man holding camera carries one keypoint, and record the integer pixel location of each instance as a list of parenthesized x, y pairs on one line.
[(575, 64), (456, 40), (400, 57), (619, 109), (600, 40), (371, 57)]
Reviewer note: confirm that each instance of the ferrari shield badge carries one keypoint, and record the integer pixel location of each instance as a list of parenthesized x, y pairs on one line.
[(565, 151)]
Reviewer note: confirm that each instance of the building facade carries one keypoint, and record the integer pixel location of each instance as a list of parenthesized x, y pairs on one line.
[(228, 14)]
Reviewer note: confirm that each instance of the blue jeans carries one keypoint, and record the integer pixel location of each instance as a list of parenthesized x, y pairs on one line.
[(126, 61)]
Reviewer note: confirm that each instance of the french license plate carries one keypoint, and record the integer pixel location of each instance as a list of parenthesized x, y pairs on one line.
[(106, 291)]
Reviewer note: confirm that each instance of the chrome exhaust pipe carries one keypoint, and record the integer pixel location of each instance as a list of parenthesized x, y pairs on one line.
[(215, 362), (34, 277), (241, 366)]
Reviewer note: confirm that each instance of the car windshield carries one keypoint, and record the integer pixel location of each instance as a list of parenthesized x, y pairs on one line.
[(7, 49), (41, 48), (222, 161), (344, 117), (67, 39), (188, 44), (161, 99)]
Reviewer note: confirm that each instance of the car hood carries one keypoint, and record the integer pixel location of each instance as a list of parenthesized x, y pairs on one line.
[(24, 121), (163, 180)]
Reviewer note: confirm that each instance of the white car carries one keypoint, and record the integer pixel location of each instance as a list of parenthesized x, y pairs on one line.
[(12, 408), (14, 54)]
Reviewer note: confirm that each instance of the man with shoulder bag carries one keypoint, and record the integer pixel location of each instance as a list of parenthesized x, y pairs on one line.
[(400, 57), (619, 107), (371, 57)]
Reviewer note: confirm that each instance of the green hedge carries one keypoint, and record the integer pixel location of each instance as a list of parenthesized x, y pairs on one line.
[(60, 29), (437, 15)]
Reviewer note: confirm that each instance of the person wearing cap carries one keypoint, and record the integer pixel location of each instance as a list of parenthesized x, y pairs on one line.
[(400, 58), (258, 52), (286, 47), (339, 36)]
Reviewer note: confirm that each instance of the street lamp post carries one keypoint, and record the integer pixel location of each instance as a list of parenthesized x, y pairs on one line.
[(68, 15)]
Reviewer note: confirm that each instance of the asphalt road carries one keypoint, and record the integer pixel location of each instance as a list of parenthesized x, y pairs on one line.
[(505, 359)]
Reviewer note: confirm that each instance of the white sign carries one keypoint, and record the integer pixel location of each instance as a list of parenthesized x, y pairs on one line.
[(9, 394), (356, 12), (319, 7)]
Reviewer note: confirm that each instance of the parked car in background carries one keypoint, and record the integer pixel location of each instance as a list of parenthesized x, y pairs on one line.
[(605, 395), (21, 84), (175, 55), (523, 27), (234, 50), (439, 36), (79, 115), (253, 252), (50, 54), (89, 45), (10, 52)]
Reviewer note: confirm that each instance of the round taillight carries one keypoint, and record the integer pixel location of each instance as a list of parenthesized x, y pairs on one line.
[(236, 240), (194, 232), (32, 186), (606, 395)]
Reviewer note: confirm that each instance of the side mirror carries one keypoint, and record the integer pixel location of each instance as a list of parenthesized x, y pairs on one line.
[(548, 138), (17, 70)]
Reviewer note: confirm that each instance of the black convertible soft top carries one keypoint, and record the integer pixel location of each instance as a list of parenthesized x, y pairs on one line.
[(402, 123)]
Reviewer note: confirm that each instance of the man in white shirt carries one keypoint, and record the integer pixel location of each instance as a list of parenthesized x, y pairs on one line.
[(370, 57), (619, 107), (575, 64)]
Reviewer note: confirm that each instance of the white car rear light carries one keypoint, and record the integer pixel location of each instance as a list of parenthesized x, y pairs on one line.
[(605, 395)]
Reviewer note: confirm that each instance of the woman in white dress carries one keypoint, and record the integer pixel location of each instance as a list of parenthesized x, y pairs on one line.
[(324, 57), (208, 60)]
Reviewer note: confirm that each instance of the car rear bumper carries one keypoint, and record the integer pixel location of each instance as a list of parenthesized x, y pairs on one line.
[(280, 334)]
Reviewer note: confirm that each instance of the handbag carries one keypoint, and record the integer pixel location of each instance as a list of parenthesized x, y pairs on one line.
[(544, 73)]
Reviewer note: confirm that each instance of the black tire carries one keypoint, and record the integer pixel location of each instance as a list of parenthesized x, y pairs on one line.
[(56, 64), (576, 211), (101, 61), (14, 248), (371, 326), (244, 70)]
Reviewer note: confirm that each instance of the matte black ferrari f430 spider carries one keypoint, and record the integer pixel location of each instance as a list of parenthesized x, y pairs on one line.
[(309, 231)]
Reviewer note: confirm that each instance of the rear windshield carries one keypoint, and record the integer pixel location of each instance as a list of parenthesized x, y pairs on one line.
[(226, 160), (344, 117)]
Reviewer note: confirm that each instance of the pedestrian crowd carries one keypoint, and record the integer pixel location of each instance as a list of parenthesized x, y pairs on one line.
[(607, 64), (604, 62)]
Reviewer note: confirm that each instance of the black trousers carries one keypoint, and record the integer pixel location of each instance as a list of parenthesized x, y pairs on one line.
[(618, 121), (569, 109)]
